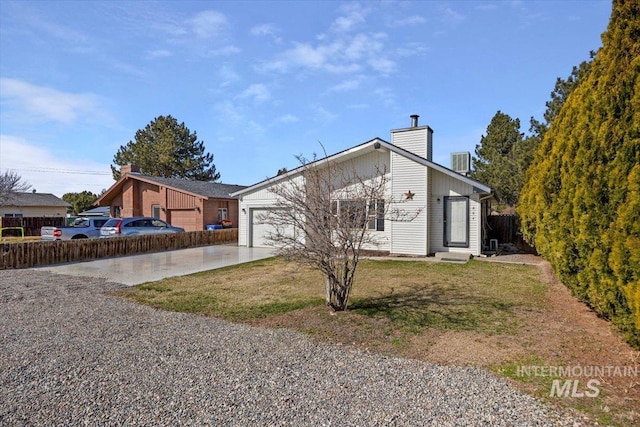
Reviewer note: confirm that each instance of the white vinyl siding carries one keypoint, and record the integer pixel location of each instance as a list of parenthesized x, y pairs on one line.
[(416, 140), (365, 166), (446, 186), (409, 237)]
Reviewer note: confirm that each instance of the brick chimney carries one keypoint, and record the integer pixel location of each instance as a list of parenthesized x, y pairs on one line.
[(129, 169)]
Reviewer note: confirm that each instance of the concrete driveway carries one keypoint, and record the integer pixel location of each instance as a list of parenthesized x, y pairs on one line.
[(136, 269)]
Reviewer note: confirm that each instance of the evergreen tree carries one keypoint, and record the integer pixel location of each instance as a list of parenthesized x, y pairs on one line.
[(80, 202), (580, 205), (496, 162), (167, 149)]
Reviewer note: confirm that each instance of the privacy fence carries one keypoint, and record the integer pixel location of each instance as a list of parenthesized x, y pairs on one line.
[(31, 225), (506, 229), (34, 254)]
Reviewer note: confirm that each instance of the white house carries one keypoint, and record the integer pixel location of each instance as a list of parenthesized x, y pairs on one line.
[(32, 204), (448, 205)]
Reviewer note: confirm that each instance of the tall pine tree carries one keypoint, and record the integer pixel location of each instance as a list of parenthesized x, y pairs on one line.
[(167, 149), (496, 158)]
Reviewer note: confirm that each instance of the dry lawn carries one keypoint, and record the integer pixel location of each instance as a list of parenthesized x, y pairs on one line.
[(496, 316), (13, 239)]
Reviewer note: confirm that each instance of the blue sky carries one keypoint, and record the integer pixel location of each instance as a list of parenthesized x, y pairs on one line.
[(263, 81)]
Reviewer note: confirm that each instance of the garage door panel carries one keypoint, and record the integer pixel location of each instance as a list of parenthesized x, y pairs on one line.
[(185, 219), (261, 229)]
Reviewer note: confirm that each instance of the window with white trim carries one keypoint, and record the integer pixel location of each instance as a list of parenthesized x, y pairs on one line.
[(361, 212)]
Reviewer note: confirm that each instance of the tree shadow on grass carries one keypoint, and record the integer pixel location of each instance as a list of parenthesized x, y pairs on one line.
[(438, 305)]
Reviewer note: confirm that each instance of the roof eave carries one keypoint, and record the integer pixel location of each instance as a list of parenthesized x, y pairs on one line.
[(479, 187), (344, 153)]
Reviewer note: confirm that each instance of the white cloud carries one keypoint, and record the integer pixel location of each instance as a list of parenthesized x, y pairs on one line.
[(408, 21), (411, 49), (74, 38), (450, 16), (341, 56), (46, 104), (224, 51), (173, 29), (383, 65), (159, 53), (486, 6), (321, 114), (227, 75), (229, 113), (354, 15), (362, 45), (339, 50), (209, 24), (305, 55), (346, 86), (386, 95), (287, 118), (34, 165), (258, 93), (266, 30)]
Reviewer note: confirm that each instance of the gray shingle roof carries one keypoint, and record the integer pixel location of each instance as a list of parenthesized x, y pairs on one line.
[(34, 199), (214, 190), (100, 210)]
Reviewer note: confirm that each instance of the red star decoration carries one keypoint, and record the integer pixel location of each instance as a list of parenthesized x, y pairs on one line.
[(409, 195)]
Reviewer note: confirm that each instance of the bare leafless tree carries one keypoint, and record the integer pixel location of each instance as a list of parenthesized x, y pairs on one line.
[(11, 182), (326, 213)]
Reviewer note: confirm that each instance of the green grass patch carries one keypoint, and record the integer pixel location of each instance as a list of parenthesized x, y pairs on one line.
[(476, 296), (410, 295)]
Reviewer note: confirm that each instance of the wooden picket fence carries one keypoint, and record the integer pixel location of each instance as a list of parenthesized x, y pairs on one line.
[(34, 254)]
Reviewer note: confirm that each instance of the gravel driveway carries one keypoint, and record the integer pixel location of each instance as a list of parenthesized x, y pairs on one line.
[(71, 354)]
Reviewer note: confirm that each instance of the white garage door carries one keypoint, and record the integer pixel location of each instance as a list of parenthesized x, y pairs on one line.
[(260, 229)]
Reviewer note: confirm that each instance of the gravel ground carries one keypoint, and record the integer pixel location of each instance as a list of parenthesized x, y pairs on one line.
[(71, 354)]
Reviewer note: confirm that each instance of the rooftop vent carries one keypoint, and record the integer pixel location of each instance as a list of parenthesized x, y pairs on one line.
[(414, 120)]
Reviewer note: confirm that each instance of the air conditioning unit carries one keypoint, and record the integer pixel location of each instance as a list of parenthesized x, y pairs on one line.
[(461, 162)]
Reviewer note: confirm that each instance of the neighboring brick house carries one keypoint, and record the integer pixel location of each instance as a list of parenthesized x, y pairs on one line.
[(23, 205), (184, 203)]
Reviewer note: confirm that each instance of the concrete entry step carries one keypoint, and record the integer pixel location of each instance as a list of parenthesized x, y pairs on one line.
[(454, 257)]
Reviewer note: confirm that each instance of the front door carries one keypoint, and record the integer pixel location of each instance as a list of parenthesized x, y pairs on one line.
[(456, 222)]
